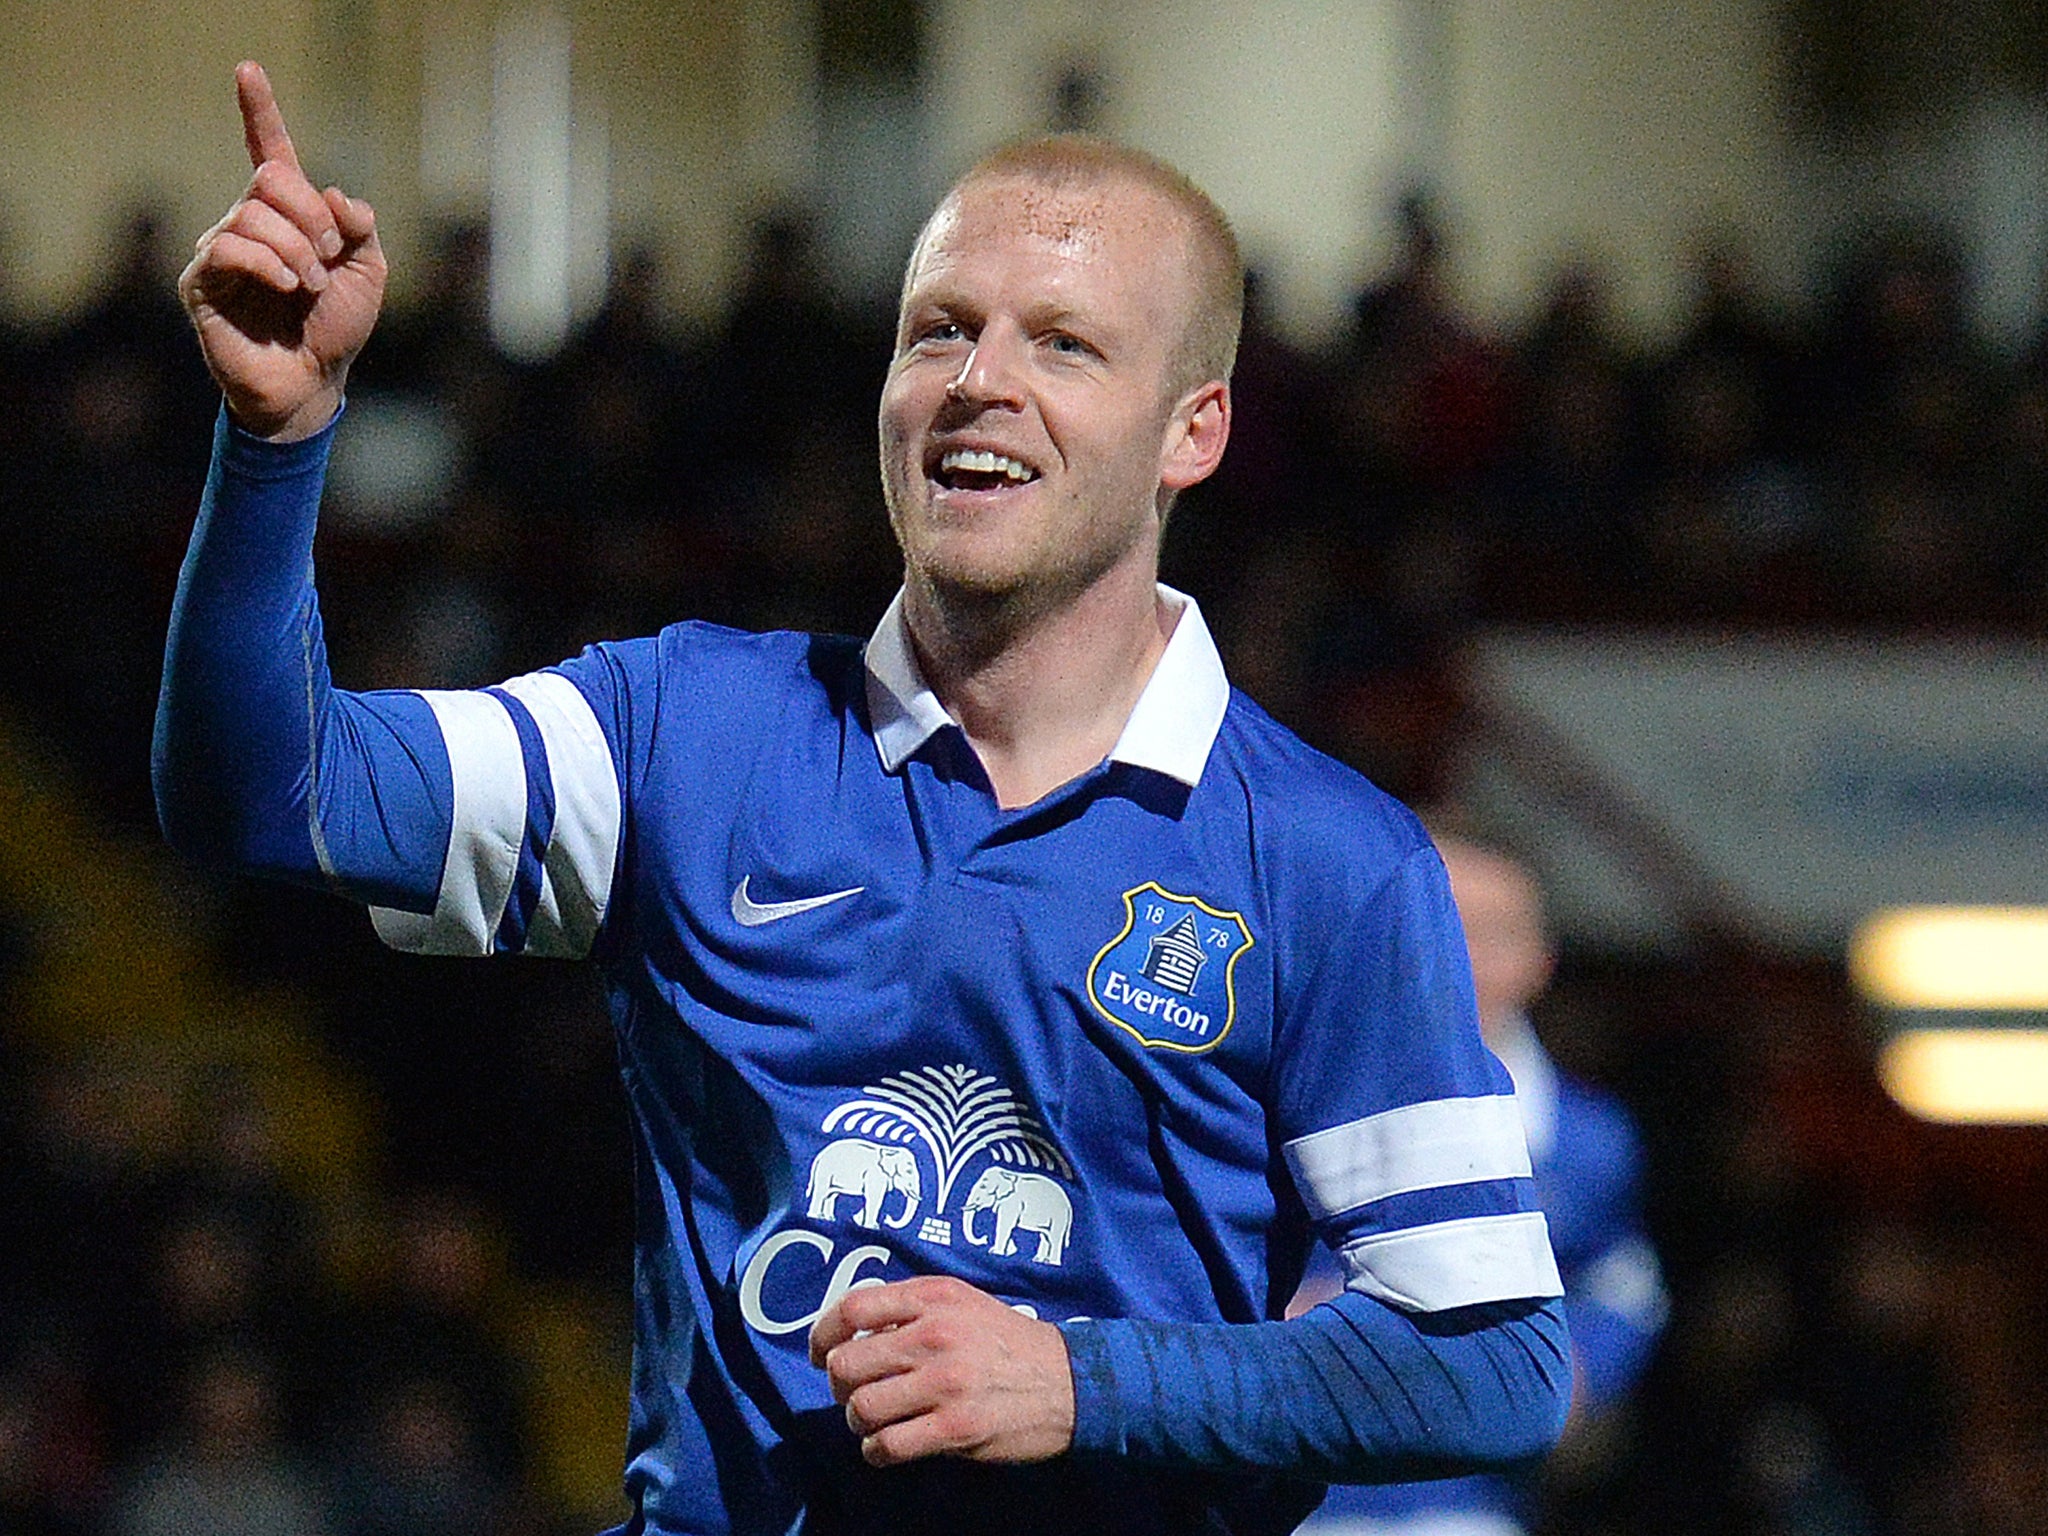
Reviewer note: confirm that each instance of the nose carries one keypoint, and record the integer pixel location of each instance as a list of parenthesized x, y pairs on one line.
[(988, 375)]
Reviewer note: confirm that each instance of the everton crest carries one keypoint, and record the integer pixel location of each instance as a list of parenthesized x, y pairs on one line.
[(1167, 978)]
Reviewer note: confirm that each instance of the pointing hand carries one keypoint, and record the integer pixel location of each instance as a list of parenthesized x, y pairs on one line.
[(285, 289)]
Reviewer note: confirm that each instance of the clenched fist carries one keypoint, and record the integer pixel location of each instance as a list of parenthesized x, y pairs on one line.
[(934, 1367)]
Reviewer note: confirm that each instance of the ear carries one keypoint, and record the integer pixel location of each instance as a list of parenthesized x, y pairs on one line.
[(1195, 437)]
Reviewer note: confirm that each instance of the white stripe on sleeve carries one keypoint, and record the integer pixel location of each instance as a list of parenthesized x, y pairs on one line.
[(489, 773), (577, 883), (1429, 1145), (1456, 1263)]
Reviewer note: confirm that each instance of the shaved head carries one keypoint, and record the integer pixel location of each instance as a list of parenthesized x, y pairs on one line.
[(1078, 162)]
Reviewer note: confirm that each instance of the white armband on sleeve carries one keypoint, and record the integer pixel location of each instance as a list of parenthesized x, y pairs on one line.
[(1425, 1149), (534, 831)]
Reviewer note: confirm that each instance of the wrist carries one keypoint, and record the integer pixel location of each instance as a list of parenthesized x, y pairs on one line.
[(241, 454), (311, 417)]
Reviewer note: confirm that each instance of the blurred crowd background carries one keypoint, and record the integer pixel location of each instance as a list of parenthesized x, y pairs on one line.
[(1856, 1344), (298, 1236)]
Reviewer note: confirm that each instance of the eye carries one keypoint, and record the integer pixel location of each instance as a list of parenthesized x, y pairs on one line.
[(937, 333), (1069, 345)]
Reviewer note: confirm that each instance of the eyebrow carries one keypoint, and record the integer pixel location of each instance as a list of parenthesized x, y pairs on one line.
[(1059, 315)]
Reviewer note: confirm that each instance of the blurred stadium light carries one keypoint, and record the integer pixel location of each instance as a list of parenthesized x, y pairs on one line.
[(1965, 993), (549, 212), (1953, 957), (1969, 1076)]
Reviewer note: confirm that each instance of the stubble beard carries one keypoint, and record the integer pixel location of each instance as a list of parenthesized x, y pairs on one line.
[(982, 607)]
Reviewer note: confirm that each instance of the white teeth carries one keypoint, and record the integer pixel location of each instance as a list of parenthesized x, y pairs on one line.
[(980, 461)]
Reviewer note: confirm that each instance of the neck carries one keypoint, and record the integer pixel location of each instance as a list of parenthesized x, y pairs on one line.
[(1042, 693)]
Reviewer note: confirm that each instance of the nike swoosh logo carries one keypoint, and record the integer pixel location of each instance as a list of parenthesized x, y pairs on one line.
[(749, 913)]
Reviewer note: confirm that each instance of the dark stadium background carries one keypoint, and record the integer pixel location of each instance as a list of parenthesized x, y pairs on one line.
[(351, 1221)]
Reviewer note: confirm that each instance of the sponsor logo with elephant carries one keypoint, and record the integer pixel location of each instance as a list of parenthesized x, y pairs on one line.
[(942, 1122), (894, 1159), (1016, 1200), (870, 1172)]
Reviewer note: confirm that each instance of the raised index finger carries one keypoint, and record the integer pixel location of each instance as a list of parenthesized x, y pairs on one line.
[(262, 124)]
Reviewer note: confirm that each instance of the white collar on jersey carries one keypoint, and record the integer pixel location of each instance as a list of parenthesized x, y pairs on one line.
[(1171, 729), (1535, 1075)]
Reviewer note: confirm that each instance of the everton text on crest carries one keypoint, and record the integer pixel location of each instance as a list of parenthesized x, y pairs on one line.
[(1168, 977)]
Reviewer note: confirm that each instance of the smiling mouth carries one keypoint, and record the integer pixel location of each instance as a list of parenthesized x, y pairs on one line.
[(980, 469)]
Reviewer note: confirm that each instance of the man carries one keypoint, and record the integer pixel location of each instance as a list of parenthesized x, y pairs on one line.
[(1583, 1146), (999, 1004)]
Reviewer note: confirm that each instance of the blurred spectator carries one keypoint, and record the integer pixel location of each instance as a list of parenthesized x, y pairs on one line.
[(1881, 1384), (434, 1320), (1422, 402), (1910, 391), (1266, 479), (221, 1283), (225, 1469), (97, 1133), (1723, 521), (1731, 522), (1559, 506), (19, 418), (812, 556), (787, 355), (2018, 501), (621, 538), (418, 1468), (439, 347), (53, 1448), (1251, 539), (1731, 324), (1584, 1150), (106, 484)]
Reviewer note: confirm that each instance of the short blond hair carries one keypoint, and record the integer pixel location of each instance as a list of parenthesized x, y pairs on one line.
[(1208, 349)]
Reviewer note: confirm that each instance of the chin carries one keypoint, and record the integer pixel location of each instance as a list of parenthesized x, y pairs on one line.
[(972, 581), (948, 559)]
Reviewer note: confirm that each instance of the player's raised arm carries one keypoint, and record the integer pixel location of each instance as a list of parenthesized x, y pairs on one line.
[(285, 289), (253, 746)]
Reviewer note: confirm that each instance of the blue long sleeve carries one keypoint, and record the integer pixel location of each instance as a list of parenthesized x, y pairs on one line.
[(258, 762), (1350, 1391)]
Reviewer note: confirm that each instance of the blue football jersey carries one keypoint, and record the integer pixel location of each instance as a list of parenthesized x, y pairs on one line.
[(1107, 1055), (1112, 1056)]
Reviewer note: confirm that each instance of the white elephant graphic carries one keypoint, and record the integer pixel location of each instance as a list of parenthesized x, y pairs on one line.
[(1027, 1200), (868, 1169)]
